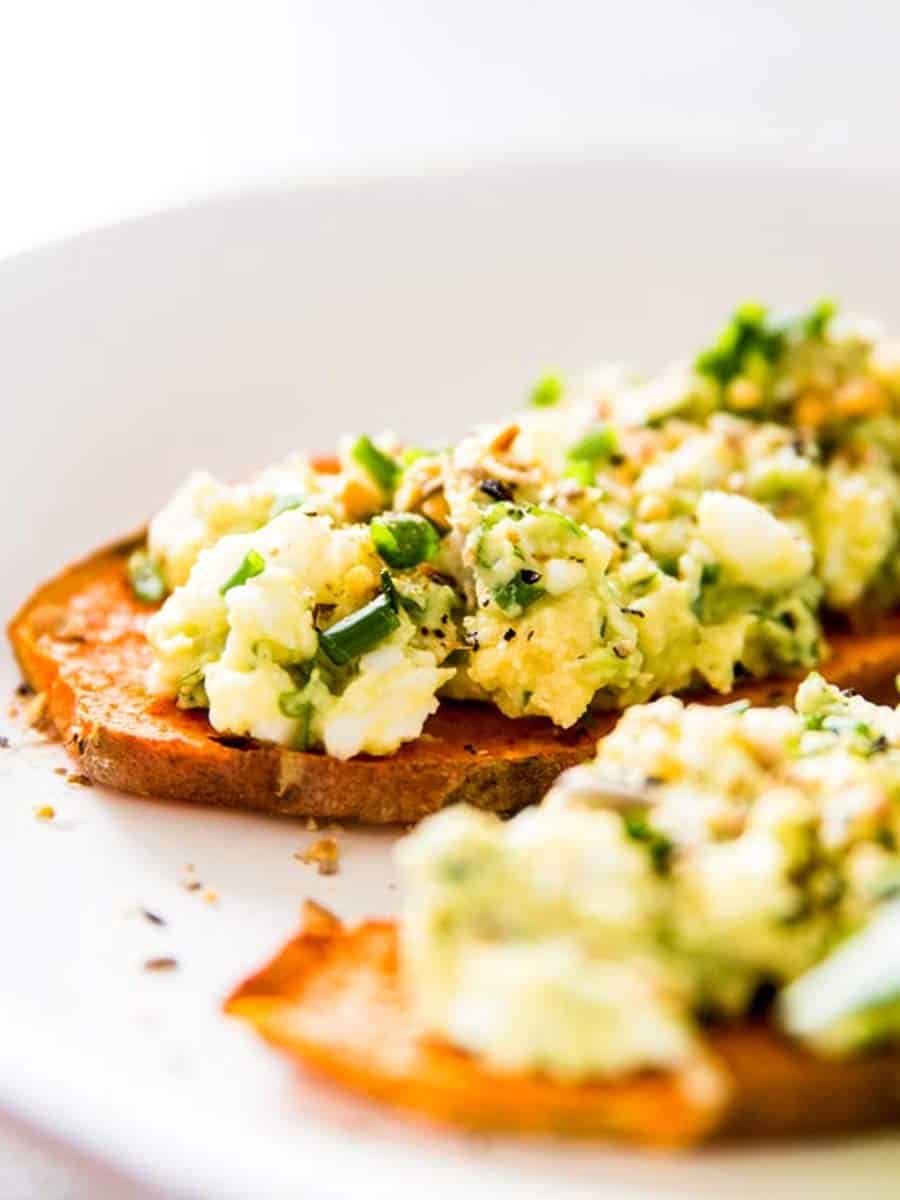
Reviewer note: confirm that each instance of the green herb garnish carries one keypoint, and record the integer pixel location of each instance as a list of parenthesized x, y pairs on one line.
[(546, 392), (404, 539), (382, 468), (659, 846), (146, 578), (286, 503), (253, 564), (359, 632), (520, 592), (599, 444), (293, 705)]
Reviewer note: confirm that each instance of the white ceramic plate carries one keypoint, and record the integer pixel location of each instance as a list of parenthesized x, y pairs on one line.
[(225, 336)]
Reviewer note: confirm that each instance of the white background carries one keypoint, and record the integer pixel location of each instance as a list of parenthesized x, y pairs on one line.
[(110, 110)]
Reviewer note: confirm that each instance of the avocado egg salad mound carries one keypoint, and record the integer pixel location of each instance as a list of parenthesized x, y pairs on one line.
[(706, 859), (616, 539)]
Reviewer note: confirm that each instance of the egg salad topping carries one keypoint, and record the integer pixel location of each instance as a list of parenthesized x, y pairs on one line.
[(706, 857), (617, 538)]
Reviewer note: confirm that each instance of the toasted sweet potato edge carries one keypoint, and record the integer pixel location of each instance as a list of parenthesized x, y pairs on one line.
[(333, 999), (469, 754)]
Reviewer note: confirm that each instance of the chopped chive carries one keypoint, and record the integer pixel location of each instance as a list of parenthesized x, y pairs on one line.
[(564, 522), (581, 472), (598, 443), (253, 564), (387, 586), (379, 465), (359, 632), (658, 845), (546, 392), (412, 454), (404, 539), (294, 706), (519, 593), (146, 578), (817, 320), (300, 672), (285, 503)]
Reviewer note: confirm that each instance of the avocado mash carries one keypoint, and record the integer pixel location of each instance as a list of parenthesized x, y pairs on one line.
[(615, 539), (706, 857)]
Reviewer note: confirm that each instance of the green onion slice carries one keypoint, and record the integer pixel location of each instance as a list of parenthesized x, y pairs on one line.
[(286, 502), (379, 465), (404, 539), (546, 392), (359, 632), (146, 578), (519, 593), (293, 705), (253, 564), (600, 442)]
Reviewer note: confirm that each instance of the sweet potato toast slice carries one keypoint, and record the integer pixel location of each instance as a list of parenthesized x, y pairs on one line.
[(80, 640), (333, 999)]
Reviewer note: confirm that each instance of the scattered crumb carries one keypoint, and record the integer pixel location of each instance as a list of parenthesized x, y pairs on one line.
[(160, 964), (4, 742), (210, 896), (45, 812), (323, 854), (78, 780), (312, 823), (191, 885), (152, 917), (35, 710), (60, 770)]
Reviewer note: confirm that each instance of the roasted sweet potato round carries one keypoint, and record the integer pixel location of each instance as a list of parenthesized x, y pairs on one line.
[(80, 639)]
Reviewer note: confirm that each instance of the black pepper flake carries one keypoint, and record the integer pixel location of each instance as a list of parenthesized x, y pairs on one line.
[(530, 635), (444, 619), (24, 689), (152, 917), (469, 748), (509, 635), (4, 743), (634, 612), (527, 575), (161, 964), (495, 489), (439, 633), (620, 651)]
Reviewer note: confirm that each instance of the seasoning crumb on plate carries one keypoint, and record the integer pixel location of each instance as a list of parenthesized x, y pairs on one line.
[(211, 896), (161, 964), (45, 812), (323, 854), (152, 917)]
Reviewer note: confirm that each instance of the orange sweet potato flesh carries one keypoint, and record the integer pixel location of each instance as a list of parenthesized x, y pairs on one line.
[(334, 1000), (80, 639)]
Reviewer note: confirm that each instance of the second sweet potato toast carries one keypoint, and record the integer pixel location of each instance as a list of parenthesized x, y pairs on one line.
[(697, 934)]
